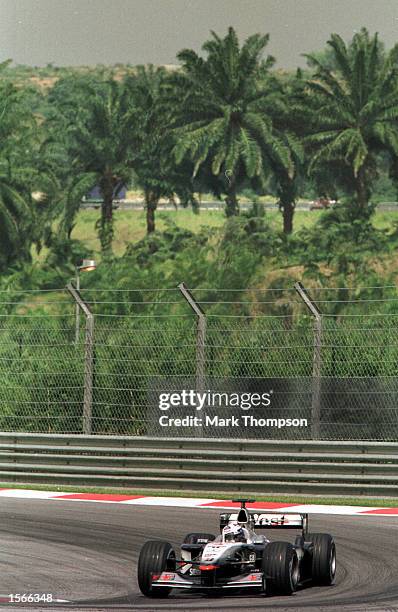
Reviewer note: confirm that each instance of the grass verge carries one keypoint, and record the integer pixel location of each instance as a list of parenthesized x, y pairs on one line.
[(292, 499), (130, 225)]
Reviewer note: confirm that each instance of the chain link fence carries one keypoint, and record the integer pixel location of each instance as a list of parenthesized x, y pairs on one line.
[(340, 374)]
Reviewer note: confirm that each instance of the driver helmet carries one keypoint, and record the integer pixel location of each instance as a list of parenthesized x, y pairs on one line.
[(234, 533)]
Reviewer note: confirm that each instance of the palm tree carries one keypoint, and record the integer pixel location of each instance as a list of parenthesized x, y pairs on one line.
[(220, 116), (288, 126), (145, 86), (57, 154), (153, 165), (21, 217), (352, 110), (98, 143)]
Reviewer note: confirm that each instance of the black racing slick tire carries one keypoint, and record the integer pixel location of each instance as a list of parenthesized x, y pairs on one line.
[(199, 538), (280, 568), (323, 558), (155, 557)]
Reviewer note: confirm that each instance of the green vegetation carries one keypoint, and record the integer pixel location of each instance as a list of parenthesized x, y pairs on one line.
[(224, 125), (130, 225), (232, 136), (352, 109)]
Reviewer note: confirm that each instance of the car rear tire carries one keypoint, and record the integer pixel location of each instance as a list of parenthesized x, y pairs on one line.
[(323, 558), (280, 568), (199, 538), (155, 558)]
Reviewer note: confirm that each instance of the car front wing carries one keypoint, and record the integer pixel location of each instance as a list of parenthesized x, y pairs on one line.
[(177, 581)]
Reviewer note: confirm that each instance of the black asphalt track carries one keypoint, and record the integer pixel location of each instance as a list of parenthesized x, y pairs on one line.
[(86, 553)]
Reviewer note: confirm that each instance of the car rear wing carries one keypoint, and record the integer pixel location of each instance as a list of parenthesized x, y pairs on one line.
[(270, 520)]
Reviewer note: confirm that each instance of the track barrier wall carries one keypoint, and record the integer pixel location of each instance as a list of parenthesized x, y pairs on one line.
[(216, 466)]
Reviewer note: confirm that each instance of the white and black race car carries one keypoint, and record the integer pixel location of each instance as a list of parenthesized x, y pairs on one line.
[(239, 558)]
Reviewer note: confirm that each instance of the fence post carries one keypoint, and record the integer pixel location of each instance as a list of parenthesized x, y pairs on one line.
[(88, 359), (77, 309), (317, 360), (200, 337), (200, 344)]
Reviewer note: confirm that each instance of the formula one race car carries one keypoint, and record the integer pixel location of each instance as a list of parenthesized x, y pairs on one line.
[(239, 558)]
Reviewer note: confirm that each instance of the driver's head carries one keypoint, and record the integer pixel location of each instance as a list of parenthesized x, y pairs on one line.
[(233, 533)]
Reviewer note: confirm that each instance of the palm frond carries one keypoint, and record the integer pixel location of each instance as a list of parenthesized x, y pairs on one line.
[(341, 55)]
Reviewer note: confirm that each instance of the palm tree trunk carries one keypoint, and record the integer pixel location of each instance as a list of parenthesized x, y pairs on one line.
[(231, 201), (288, 213), (362, 192), (151, 204), (106, 227), (287, 197)]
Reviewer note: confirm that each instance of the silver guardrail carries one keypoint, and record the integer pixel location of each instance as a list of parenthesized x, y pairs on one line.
[(208, 465)]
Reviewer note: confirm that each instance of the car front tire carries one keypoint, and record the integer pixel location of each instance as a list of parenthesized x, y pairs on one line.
[(280, 568), (155, 558)]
